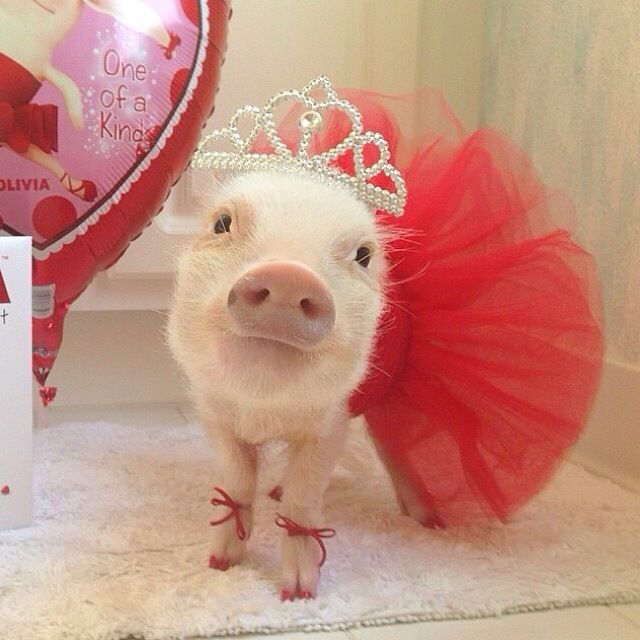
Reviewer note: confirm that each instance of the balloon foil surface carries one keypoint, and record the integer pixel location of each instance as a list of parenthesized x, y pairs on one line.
[(101, 105)]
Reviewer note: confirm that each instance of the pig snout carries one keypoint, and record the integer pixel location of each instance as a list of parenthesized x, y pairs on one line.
[(282, 301)]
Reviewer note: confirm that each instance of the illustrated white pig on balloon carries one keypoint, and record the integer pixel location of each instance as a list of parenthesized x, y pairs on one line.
[(30, 30), (299, 306)]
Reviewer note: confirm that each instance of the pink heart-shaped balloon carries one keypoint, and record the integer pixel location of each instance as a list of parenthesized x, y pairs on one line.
[(101, 104)]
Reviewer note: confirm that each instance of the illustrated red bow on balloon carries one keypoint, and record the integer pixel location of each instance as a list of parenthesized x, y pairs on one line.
[(101, 105)]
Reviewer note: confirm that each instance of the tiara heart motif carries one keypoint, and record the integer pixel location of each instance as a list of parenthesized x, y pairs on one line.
[(315, 100)]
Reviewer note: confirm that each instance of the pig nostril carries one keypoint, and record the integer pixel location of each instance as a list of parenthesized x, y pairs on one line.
[(251, 297), (257, 296), (308, 308)]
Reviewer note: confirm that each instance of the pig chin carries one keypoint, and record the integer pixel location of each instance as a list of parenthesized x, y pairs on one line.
[(257, 364), (261, 349)]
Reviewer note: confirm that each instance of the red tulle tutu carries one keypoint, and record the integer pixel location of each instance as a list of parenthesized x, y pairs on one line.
[(22, 123), (489, 351)]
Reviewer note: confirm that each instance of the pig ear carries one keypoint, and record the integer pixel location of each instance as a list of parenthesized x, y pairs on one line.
[(205, 189)]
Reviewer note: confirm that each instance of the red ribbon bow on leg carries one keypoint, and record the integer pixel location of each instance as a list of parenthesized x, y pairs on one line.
[(295, 529), (228, 501)]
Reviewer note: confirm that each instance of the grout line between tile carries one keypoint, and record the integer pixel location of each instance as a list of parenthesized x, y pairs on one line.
[(180, 408), (616, 608)]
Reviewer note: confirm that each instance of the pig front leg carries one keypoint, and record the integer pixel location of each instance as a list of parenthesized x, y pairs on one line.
[(305, 480), (233, 497)]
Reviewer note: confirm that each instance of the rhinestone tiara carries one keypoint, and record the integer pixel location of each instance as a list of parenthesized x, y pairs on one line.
[(243, 158)]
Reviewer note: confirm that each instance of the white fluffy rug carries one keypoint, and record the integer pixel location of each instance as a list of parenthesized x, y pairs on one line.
[(120, 548)]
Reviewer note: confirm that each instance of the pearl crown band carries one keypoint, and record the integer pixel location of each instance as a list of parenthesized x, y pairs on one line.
[(321, 165)]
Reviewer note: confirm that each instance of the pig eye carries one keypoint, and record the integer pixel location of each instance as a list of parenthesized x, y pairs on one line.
[(363, 256), (222, 224)]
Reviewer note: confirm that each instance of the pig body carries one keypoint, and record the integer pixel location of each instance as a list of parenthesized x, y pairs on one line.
[(275, 312)]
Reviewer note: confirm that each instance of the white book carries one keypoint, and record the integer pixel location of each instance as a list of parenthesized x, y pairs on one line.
[(16, 414)]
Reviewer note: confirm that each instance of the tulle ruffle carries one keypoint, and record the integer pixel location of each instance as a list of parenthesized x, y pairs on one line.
[(489, 352)]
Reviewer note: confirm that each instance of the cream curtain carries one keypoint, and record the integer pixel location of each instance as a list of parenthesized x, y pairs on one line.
[(563, 79)]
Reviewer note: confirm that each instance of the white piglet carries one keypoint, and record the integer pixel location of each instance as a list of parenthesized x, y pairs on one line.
[(275, 312), (486, 358)]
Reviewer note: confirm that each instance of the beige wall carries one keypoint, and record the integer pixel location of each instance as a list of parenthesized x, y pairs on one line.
[(563, 79), (115, 357)]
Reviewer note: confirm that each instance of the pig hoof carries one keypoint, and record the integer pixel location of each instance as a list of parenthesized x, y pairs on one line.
[(221, 564), (276, 493), (300, 570), (411, 505), (289, 595)]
